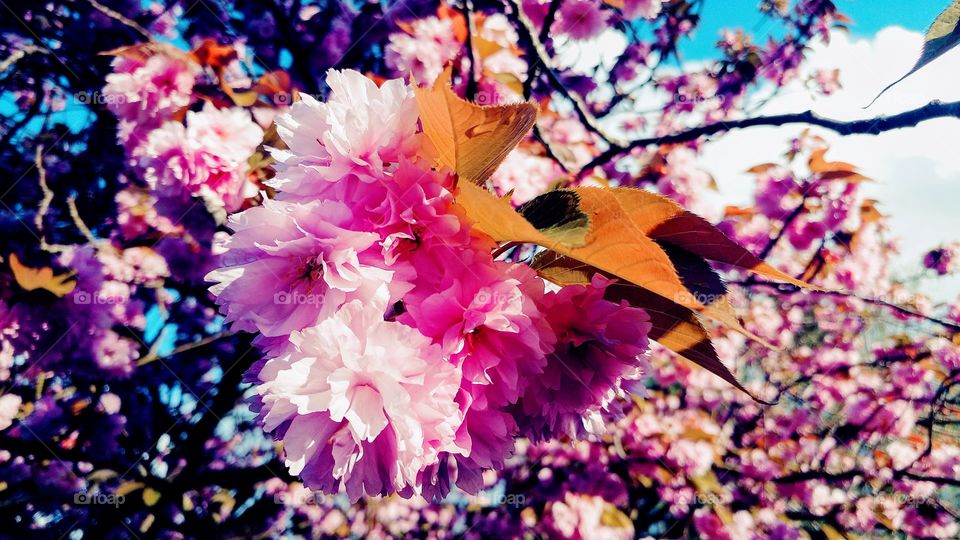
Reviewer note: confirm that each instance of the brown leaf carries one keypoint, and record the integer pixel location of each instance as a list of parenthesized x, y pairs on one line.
[(143, 51), (272, 83), (706, 287), (833, 170), (818, 164), (664, 220), (472, 140), (762, 168)]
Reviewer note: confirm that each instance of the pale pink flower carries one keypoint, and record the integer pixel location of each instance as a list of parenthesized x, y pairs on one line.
[(115, 354), (581, 517), (361, 128), (525, 175), (144, 94), (230, 132), (9, 407), (647, 9), (425, 50), (206, 158), (362, 403)]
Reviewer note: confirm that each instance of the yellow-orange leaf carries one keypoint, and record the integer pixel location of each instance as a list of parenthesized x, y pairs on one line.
[(943, 35), (664, 220), (644, 239), (556, 220), (41, 278), (485, 47), (470, 139), (610, 244)]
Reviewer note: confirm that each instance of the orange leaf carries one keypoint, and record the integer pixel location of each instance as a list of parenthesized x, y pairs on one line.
[(41, 278), (736, 211), (210, 53), (762, 168), (664, 220), (554, 218), (457, 20), (470, 139), (819, 165)]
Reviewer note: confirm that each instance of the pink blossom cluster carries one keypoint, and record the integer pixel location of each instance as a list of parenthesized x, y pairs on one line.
[(400, 356), (105, 297), (204, 156), (423, 49), (145, 92)]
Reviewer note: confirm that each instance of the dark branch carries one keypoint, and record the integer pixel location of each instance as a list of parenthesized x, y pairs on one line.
[(870, 126)]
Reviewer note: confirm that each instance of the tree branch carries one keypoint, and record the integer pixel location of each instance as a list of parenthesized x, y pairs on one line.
[(790, 288), (539, 56), (870, 126)]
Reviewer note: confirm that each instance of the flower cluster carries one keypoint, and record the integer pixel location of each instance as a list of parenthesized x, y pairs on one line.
[(205, 156), (400, 355)]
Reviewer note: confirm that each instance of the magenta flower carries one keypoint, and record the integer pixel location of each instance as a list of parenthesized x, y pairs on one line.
[(599, 345), (303, 263)]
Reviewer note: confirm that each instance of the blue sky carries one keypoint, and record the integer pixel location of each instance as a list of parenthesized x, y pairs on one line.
[(869, 16)]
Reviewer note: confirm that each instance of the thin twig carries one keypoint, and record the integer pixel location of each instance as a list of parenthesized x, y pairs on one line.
[(119, 17), (154, 355), (47, 196), (78, 221), (471, 92), (538, 51), (788, 288)]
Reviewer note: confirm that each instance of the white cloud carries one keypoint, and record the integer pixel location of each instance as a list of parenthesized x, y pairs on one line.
[(917, 170)]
